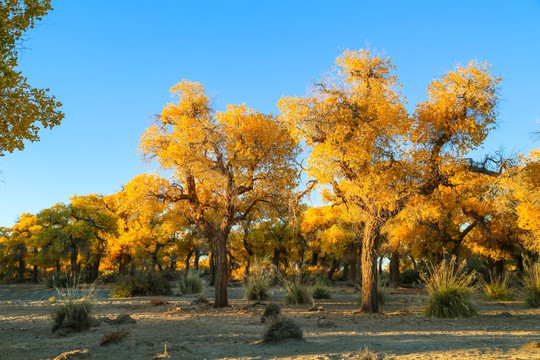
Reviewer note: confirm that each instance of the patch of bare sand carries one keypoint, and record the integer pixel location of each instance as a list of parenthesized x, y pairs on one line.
[(180, 330)]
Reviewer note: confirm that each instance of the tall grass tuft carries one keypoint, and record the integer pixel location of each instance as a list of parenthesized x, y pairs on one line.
[(258, 283), (499, 289), (449, 290), (531, 285), (191, 282), (73, 309), (298, 292)]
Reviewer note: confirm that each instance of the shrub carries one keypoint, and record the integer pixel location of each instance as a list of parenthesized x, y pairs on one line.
[(320, 289), (271, 312), (476, 265), (531, 285), (499, 289), (73, 311), (157, 301), (191, 282), (384, 279), (297, 291), (114, 337), (449, 290), (258, 284), (142, 284), (409, 277), (370, 355), (281, 329)]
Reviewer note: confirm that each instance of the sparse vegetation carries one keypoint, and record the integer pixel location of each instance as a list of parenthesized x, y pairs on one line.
[(449, 290), (258, 284), (191, 282), (115, 337), (281, 329), (531, 285)]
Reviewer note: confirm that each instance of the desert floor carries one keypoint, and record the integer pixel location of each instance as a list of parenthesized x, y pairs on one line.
[(503, 330)]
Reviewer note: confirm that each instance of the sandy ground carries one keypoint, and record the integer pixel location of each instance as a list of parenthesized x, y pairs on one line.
[(503, 330)]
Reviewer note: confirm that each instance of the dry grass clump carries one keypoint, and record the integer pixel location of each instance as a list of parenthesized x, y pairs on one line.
[(281, 329), (73, 310), (271, 312), (258, 284), (449, 290), (157, 301), (191, 282), (298, 292), (115, 337), (499, 289), (531, 285), (371, 355)]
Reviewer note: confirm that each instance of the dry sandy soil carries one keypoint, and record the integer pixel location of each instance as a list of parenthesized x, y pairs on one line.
[(503, 330)]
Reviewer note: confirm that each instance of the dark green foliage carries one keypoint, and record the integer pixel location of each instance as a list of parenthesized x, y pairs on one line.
[(477, 266), (271, 312), (320, 289), (281, 329), (142, 284), (449, 290), (409, 277), (191, 282)]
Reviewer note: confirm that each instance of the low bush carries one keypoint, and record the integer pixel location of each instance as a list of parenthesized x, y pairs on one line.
[(320, 289), (531, 285), (449, 290), (499, 289), (409, 277), (281, 329), (271, 312), (191, 282), (258, 284), (142, 284)]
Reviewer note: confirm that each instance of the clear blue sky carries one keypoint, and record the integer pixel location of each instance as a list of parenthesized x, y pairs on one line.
[(111, 63)]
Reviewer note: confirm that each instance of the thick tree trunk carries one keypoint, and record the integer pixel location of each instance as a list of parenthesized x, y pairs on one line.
[(212, 268), (196, 261), (394, 268), (333, 269), (369, 266), (73, 259), (219, 247), (315, 259), (275, 259), (188, 259), (21, 270)]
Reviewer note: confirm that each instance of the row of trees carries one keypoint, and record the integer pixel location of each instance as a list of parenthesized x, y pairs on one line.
[(398, 182)]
